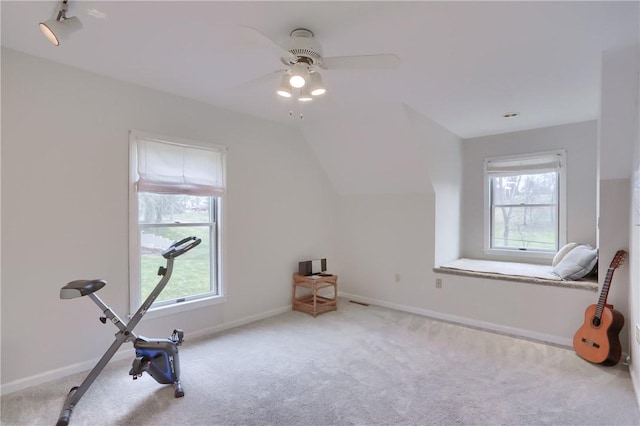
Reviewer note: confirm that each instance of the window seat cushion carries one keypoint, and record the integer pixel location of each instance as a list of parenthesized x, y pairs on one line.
[(512, 271)]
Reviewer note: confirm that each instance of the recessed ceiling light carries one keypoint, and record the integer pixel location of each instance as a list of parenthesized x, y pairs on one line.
[(510, 114)]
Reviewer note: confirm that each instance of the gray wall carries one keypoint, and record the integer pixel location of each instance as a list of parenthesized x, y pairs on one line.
[(382, 236)]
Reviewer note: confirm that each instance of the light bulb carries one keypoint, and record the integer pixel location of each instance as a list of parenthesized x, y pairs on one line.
[(299, 75), (297, 81), (45, 27), (305, 95), (284, 90), (315, 84)]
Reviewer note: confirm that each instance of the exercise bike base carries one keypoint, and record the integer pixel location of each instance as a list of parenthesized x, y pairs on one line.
[(65, 414), (178, 391)]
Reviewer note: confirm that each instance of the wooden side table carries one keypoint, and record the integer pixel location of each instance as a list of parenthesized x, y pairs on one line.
[(314, 304)]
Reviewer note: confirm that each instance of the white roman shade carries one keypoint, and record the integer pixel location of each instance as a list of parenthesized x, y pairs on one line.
[(536, 163), (171, 168)]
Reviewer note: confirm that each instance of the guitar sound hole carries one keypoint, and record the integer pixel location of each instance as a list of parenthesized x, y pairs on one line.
[(595, 322)]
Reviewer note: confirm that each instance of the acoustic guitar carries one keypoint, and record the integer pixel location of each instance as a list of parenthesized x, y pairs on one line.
[(598, 339)]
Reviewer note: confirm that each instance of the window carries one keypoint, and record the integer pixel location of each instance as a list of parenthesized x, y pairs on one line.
[(176, 191), (525, 208)]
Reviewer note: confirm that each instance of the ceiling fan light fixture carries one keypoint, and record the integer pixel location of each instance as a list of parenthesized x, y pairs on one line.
[(305, 94), (285, 89), (319, 91), (315, 84), (60, 28), (299, 75)]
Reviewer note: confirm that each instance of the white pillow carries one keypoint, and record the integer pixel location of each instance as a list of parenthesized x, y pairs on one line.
[(577, 263), (562, 253)]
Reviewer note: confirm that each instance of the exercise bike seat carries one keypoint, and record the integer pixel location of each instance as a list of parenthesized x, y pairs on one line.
[(81, 288)]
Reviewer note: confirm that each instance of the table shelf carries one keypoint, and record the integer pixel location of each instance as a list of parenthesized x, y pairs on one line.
[(313, 303)]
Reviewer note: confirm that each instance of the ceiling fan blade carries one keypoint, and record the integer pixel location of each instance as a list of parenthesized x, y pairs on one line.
[(270, 77), (252, 36), (384, 61)]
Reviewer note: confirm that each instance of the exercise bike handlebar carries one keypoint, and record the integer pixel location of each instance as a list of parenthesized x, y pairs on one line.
[(180, 247)]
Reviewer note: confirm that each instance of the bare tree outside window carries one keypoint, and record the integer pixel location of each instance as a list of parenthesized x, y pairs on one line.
[(524, 211)]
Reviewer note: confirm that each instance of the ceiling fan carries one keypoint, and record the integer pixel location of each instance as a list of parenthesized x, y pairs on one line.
[(302, 56)]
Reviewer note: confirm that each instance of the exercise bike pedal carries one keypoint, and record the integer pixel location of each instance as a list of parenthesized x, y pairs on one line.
[(140, 365), (177, 336)]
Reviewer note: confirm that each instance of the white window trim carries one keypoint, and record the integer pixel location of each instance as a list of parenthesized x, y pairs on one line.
[(562, 213), (134, 243)]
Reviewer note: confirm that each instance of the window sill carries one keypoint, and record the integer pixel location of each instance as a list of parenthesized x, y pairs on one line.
[(585, 284), (162, 311), (521, 255)]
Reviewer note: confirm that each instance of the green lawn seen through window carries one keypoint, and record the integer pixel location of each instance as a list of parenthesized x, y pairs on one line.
[(191, 271)]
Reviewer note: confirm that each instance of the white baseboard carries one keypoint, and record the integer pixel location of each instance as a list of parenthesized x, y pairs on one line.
[(59, 373), (469, 322), (237, 323), (124, 353)]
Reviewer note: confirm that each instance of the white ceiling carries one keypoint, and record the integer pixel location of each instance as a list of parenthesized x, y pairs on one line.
[(464, 64)]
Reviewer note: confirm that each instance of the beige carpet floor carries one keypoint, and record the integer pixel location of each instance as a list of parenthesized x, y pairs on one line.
[(360, 365)]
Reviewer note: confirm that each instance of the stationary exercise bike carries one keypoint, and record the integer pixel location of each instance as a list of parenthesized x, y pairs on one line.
[(158, 357)]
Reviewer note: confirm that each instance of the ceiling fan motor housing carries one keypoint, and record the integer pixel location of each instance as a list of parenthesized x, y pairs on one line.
[(303, 47)]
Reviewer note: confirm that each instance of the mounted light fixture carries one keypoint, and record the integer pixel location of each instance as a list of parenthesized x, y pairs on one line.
[(285, 88), (316, 88), (299, 75), (61, 27), (313, 87), (305, 94)]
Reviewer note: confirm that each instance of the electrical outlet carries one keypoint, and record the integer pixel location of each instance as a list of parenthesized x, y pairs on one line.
[(397, 277), (638, 333), (438, 282)]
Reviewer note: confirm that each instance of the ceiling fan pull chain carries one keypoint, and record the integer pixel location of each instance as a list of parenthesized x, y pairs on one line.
[(296, 108)]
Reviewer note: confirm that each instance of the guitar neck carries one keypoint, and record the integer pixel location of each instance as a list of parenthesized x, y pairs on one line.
[(602, 301)]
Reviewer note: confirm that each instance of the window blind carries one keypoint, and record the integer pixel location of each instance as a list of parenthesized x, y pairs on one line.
[(170, 168), (514, 166)]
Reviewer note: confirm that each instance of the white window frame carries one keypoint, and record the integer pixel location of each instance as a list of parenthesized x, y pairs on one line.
[(562, 207), (135, 299)]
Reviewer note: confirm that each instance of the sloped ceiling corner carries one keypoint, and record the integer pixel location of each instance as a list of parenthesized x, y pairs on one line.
[(442, 149), (375, 149)]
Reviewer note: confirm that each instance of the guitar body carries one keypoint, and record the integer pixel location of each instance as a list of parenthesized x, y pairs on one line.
[(600, 343), (598, 340)]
